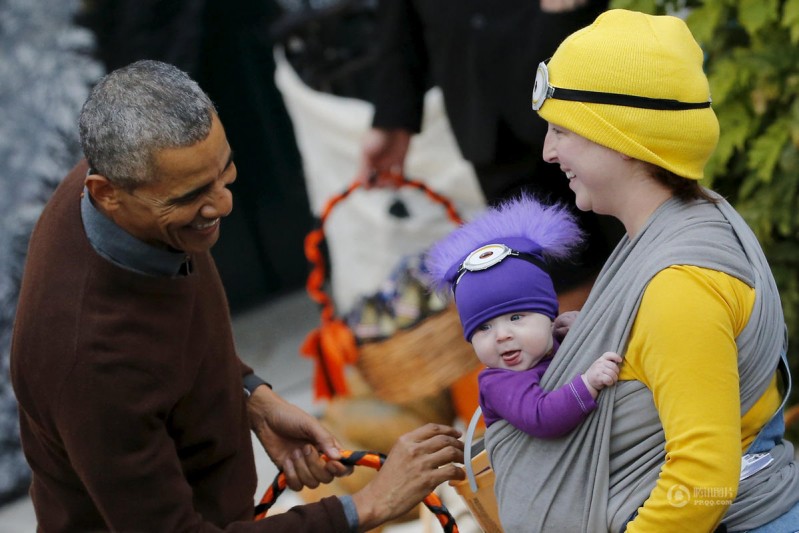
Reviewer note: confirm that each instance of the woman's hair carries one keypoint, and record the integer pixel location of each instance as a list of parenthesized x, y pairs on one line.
[(136, 111), (682, 188)]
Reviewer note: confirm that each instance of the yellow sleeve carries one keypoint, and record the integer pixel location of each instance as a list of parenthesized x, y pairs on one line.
[(682, 347)]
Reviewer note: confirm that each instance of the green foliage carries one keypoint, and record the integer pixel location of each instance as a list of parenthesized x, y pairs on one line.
[(752, 61)]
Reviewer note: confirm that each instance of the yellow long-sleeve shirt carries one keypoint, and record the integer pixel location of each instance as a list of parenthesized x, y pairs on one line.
[(682, 347)]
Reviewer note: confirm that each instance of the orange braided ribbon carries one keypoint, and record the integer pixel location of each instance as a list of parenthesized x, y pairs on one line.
[(358, 458), (333, 345)]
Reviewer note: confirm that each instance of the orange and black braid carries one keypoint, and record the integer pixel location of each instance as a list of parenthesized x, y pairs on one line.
[(358, 458)]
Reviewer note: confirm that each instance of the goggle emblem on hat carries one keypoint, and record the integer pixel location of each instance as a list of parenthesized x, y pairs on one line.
[(542, 91), (491, 254)]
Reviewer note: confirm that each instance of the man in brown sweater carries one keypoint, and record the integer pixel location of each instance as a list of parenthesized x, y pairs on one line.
[(135, 410)]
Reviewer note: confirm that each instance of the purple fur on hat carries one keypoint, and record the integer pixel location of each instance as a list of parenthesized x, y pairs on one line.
[(514, 284)]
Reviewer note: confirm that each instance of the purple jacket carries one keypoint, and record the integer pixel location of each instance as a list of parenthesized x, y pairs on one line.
[(518, 398)]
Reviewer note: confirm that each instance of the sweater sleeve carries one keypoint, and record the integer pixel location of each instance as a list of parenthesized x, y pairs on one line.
[(518, 398), (121, 450), (682, 347)]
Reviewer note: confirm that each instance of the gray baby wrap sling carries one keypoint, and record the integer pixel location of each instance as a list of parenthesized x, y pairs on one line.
[(596, 477)]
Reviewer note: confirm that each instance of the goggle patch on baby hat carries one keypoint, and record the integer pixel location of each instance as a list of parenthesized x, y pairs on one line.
[(504, 276), (633, 83), (497, 263)]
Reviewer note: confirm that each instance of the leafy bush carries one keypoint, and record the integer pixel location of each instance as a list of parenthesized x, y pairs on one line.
[(752, 61)]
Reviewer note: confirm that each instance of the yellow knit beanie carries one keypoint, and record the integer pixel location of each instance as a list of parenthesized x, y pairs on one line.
[(631, 53)]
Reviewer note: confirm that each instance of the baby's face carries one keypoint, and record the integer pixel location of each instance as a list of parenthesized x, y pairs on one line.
[(514, 341)]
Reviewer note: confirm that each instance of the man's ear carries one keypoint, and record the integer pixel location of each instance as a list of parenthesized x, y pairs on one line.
[(104, 193)]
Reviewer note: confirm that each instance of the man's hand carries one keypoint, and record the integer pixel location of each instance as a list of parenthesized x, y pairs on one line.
[(383, 155), (563, 323), (604, 372), (293, 439), (418, 462)]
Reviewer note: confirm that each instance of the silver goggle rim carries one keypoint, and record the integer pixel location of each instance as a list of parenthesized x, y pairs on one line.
[(541, 89)]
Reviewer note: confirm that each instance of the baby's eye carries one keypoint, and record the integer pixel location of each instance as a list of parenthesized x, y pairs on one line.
[(484, 327), (516, 316)]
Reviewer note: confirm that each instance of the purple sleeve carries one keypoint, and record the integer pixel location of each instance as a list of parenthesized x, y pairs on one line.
[(518, 398)]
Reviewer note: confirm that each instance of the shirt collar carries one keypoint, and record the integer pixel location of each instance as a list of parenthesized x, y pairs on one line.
[(124, 250)]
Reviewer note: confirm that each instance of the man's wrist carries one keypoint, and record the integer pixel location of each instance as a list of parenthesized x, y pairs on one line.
[(350, 511), (252, 382)]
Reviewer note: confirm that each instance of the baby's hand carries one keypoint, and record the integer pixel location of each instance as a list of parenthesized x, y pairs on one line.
[(604, 372)]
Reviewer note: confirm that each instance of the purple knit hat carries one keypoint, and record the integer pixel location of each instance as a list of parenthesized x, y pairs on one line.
[(496, 264)]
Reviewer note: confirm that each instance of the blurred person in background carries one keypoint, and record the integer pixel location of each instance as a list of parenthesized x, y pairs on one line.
[(481, 55)]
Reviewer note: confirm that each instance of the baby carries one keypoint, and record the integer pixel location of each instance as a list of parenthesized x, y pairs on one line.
[(495, 267)]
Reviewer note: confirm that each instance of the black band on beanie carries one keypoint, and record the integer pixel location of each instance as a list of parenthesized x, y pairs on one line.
[(628, 100)]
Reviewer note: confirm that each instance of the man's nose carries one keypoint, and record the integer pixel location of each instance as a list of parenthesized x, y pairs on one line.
[(219, 204)]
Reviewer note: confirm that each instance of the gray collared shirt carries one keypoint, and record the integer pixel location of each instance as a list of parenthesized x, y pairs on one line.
[(124, 250)]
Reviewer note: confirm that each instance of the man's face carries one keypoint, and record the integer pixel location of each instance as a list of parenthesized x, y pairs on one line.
[(183, 206)]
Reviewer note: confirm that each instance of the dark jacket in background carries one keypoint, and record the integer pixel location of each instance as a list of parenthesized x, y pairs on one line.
[(484, 57)]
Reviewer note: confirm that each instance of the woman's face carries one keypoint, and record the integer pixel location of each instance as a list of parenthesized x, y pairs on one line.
[(593, 170)]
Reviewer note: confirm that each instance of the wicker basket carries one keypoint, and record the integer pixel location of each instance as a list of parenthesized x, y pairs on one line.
[(419, 361), (411, 364)]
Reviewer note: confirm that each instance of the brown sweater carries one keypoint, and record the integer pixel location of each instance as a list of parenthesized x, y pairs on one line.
[(132, 412)]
